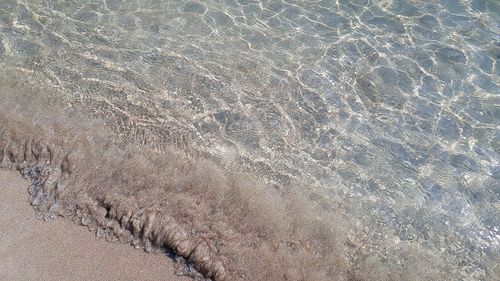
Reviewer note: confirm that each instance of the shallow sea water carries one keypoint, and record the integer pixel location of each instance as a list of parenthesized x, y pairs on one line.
[(386, 110)]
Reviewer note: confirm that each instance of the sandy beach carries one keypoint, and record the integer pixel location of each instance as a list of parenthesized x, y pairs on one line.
[(31, 249)]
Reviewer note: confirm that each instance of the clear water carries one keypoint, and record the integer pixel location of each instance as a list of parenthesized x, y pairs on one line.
[(389, 110)]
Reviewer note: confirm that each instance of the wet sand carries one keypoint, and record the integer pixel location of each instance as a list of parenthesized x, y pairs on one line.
[(31, 249)]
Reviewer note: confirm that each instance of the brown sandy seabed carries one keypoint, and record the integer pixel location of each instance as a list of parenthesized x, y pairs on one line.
[(32, 249), (227, 224)]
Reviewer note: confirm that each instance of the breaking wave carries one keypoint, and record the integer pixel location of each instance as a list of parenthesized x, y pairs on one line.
[(228, 225)]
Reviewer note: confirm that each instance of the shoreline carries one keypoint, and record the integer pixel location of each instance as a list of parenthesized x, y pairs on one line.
[(33, 249)]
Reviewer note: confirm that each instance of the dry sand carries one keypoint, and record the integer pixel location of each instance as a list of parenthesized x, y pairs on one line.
[(31, 249)]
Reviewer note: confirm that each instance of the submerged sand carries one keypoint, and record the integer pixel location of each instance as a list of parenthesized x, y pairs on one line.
[(31, 249)]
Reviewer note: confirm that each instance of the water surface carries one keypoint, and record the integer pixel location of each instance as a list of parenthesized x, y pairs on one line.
[(387, 111)]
